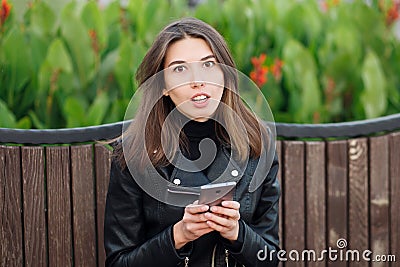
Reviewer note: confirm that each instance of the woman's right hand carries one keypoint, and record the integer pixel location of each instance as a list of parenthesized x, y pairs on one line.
[(192, 226)]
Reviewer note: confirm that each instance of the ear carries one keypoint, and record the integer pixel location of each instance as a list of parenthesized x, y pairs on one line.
[(165, 92)]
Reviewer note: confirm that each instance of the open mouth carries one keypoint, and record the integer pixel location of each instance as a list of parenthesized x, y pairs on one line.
[(200, 98)]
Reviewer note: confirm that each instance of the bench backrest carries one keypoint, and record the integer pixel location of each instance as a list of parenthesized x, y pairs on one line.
[(52, 199)]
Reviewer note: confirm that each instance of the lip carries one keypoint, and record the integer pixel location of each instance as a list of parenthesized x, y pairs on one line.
[(201, 104), (198, 94)]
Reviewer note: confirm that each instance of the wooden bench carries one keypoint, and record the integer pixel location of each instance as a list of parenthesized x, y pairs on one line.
[(52, 197)]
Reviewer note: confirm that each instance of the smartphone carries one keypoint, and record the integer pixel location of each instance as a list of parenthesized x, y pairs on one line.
[(214, 194)]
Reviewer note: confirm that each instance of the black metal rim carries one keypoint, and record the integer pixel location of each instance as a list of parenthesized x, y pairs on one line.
[(285, 130)]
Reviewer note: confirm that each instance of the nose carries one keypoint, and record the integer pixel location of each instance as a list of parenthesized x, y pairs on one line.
[(197, 84), (196, 78)]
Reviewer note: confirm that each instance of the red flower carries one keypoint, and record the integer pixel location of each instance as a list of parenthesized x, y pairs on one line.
[(4, 11), (259, 74), (276, 69), (393, 13)]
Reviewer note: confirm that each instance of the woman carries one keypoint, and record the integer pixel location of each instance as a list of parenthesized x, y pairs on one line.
[(146, 230)]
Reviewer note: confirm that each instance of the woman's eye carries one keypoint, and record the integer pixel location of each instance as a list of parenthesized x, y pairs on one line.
[(209, 64), (179, 68)]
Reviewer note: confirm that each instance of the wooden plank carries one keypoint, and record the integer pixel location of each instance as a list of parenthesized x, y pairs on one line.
[(315, 200), (379, 197), (337, 207), (103, 164), (294, 205), (83, 200), (11, 227), (279, 177), (358, 196), (394, 159), (59, 206), (34, 206)]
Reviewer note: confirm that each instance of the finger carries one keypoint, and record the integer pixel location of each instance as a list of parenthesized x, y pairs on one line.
[(205, 231), (226, 212), (217, 227), (193, 209), (196, 227), (228, 223), (194, 217), (231, 204)]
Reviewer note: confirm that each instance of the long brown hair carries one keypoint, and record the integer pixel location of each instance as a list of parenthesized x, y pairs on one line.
[(147, 144)]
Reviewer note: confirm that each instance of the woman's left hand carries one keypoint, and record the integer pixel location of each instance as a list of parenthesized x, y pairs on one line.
[(225, 219)]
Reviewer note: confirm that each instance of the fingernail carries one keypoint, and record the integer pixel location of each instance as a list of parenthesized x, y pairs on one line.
[(213, 209), (205, 208)]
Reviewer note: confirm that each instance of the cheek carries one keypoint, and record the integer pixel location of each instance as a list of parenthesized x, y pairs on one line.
[(177, 97), (218, 92)]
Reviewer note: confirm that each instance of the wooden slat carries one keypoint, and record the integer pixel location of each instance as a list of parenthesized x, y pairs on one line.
[(394, 195), (294, 198), (379, 196), (279, 176), (11, 228), (315, 197), (337, 194), (83, 200), (59, 206), (103, 163), (358, 196), (34, 206)]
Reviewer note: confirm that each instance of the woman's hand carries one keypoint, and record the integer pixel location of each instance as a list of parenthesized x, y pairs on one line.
[(192, 226), (225, 219)]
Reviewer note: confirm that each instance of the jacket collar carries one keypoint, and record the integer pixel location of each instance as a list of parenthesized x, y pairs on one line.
[(224, 168)]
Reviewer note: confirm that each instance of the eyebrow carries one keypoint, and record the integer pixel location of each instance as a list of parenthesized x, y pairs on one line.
[(182, 61)]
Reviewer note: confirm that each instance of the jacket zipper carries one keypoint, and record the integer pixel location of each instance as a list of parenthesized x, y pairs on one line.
[(213, 256), (186, 261), (227, 257)]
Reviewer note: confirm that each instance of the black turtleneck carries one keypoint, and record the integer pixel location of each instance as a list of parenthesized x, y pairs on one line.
[(195, 132)]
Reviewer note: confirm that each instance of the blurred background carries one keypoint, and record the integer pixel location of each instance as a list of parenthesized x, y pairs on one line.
[(69, 63)]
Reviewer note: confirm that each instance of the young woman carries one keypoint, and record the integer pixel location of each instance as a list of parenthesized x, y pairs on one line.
[(147, 230)]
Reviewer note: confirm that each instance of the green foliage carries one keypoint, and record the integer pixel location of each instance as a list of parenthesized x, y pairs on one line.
[(72, 63)]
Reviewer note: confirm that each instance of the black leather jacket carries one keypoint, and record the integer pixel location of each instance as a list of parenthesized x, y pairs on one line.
[(138, 228)]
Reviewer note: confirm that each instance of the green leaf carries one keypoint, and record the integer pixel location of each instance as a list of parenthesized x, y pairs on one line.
[(78, 42), (374, 95), (58, 57), (36, 121), (124, 68), (7, 118), (57, 61), (75, 112), (94, 20), (301, 77), (98, 110), (43, 19), (18, 63), (24, 123)]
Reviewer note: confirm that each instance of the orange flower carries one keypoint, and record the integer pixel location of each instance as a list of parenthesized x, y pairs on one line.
[(259, 74), (95, 42), (276, 69), (4, 11), (257, 62), (325, 5), (393, 13)]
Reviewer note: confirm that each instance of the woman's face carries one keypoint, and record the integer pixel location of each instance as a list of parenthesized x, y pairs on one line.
[(193, 79)]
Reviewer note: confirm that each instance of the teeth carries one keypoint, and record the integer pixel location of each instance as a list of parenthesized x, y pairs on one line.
[(200, 98)]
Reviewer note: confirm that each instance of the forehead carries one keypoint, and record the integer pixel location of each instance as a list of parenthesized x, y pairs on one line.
[(187, 49)]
